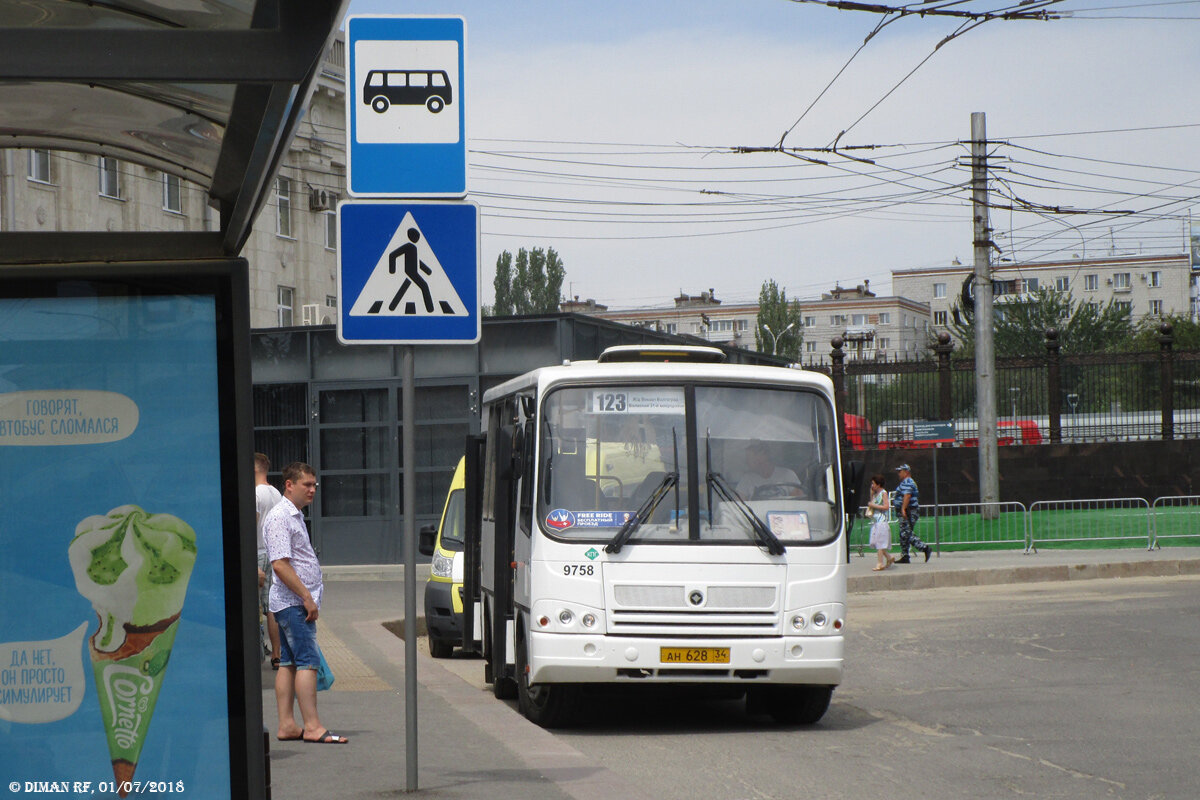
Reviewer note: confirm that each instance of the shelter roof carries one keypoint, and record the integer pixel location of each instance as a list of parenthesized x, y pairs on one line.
[(209, 90)]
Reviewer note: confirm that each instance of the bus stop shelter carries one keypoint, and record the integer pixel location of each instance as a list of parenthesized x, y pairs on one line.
[(125, 423)]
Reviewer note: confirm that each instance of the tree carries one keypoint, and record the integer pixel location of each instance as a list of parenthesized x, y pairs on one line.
[(1020, 326), (1184, 330), (783, 319), (532, 284), (503, 286)]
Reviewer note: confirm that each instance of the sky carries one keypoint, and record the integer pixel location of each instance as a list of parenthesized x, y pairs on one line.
[(616, 132)]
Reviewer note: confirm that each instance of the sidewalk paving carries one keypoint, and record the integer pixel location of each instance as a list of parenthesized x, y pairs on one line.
[(474, 746)]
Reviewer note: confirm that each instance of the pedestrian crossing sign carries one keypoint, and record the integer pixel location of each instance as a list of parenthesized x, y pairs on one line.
[(408, 272)]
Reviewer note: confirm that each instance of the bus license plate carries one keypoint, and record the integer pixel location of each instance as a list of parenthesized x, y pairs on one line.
[(694, 655)]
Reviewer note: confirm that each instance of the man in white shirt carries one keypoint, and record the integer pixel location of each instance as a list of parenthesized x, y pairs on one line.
[(296, 603), (265, 498)]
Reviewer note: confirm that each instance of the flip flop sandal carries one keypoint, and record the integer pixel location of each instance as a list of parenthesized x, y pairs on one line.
[(295, 738), (328, 738)]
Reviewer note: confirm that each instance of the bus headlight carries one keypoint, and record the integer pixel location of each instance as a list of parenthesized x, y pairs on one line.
[(442, 567), (819, 619), (798, 622), (566, 617), (589, 620)]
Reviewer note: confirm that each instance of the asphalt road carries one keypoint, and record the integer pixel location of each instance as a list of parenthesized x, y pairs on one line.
[(1051, 690)]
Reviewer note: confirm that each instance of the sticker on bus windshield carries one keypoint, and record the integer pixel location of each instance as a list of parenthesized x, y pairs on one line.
[(650, 400), (789, 524), (561, 519)]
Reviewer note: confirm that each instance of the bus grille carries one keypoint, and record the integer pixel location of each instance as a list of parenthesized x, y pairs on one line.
[(665, 610)]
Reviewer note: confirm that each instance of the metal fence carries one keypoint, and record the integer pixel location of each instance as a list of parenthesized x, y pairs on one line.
[(1054, 522), (1176, 518), (1055, 398), (1099, 522)]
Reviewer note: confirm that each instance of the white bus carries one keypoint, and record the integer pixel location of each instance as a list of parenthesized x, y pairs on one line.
[(659, 517)]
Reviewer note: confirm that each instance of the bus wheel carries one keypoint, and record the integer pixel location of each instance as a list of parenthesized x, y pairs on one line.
[(440, 648), (380, 104), (547, 705), (798, 705), (435, 104)]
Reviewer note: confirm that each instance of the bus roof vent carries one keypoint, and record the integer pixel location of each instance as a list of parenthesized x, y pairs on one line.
[(646, 352)]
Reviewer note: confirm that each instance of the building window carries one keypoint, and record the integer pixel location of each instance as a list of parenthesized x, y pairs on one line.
[(885, 318), (1156, 307), (882, 343), (39, 166), (671, 327), (858, 319), (110, 177), (1091, 283), (283, 205), (1031, 284), (172, 188), (741, 325), (810, 322), (284, 296), (939, 318), (1062, 284), (939, 290), (837, 319), (1124, 305), (1155, 279), (331, 300), (1121, 281), (810, 347), (331, 230)]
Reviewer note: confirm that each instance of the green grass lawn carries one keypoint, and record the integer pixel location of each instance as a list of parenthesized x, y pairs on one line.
[(1067, 528)]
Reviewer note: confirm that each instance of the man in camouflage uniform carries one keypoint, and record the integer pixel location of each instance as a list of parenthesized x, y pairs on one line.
[(908, 510)]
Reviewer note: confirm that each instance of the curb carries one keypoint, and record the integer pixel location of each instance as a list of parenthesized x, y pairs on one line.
[(1030, 574)]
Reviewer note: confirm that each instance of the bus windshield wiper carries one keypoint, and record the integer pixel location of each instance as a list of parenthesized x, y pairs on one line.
[(767, 540), (647, 508), (643, 513)]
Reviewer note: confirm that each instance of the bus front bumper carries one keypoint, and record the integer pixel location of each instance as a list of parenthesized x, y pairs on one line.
[(573, 658)]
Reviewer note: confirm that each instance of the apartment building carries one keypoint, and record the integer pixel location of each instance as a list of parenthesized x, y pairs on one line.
[(894, 327), (292, 251), (701, 315), (1149, 286)]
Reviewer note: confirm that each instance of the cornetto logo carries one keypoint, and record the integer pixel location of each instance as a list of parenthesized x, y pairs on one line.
[(128, 698)]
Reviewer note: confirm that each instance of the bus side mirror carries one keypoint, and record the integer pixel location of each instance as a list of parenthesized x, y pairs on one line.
[(426, 539)]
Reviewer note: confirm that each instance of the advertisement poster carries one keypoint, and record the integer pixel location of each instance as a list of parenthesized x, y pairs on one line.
[(113, 645)]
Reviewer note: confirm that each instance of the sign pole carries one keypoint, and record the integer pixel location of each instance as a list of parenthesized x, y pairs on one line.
[(409, 482)]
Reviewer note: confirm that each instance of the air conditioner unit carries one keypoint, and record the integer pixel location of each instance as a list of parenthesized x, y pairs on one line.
[(321, 200), (317, 314), (1108, 281)]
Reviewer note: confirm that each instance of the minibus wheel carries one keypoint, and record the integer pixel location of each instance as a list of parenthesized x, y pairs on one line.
[(796, 705), (380, 104), (435, 104), (440, 648), (547, 705)]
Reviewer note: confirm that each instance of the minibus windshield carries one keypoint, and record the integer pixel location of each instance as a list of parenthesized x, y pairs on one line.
[(688, 464)]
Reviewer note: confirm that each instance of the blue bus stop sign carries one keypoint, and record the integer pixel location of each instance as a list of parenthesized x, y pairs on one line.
[(408, 272), (405, 110)]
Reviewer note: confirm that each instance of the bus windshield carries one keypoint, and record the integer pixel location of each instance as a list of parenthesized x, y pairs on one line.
[(703, 464)]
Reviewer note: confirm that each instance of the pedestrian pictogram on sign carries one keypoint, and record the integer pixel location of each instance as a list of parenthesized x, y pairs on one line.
[(409, 272), (408, 280)]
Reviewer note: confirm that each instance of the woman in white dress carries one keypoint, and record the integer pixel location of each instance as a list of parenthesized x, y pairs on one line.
[(881, 532)]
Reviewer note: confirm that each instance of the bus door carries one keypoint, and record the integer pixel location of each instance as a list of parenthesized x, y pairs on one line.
[(496, 550), (472, 598)]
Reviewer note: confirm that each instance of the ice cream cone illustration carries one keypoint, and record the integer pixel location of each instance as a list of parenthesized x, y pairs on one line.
[(134, 568)]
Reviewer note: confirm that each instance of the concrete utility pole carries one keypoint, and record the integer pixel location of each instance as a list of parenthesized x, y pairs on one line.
[(985, 351)]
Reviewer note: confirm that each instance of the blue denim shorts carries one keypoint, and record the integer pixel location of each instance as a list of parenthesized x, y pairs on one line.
[(297, 639)]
